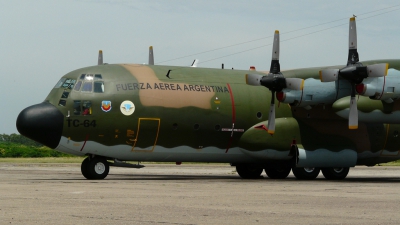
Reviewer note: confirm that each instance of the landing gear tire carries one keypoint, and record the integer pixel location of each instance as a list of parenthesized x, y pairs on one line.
[(96, 168), (85, 168), (277, 173), (248, 171), (305, 173), (335, 173)]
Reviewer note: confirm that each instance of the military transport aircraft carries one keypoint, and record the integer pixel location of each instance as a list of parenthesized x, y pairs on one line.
[(115, 113)]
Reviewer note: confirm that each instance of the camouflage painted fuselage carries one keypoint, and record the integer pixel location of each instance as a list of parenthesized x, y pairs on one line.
[(208, 115)]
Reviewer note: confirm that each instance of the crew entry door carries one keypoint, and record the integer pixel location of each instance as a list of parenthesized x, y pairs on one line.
[(147, 134)]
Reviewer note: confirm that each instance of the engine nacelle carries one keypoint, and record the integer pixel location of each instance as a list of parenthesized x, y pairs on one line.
[(314, 92), (381, 88)]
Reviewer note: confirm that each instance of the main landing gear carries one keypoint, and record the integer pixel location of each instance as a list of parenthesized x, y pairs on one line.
[(310, 173), (336, 173), (305, 173), (95, 168), (249, 171), (253, 171)]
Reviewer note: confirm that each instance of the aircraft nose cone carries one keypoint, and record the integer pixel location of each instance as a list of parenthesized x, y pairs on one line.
[(42, 123)]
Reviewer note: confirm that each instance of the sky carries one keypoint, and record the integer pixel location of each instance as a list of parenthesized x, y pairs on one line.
[(40, 41)]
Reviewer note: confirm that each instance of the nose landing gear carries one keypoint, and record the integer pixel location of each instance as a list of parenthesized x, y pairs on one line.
[(95, 168)]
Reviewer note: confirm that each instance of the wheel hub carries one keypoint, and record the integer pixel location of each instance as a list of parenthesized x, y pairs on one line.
[(100, 168), (338, 169), (309, 169)]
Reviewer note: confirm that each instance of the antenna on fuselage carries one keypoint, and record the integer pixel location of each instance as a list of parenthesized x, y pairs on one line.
[(100, 58), (195, 62), (151, 56), (168, 74)]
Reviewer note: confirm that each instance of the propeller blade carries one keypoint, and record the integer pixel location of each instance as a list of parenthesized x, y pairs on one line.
[(378, 70), (275, 67), (353, 54), (253, 79), (353, 114), (271, 119), (294, 83), (151, 56), (271, 116), (100, 58), (329, 75)]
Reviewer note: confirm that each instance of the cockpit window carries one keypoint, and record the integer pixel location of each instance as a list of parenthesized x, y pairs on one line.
[(68, 84), (60, 82), (77, 107), (98, 87), (62, 102), (78, 86), (84, 109), (87, 86), (90, 83), (65, 94)]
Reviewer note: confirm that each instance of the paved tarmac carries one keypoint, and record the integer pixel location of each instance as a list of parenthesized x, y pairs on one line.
[(193, 194)]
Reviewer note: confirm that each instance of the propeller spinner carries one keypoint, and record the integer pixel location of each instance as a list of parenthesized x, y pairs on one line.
[(354, 73), (274, 81)]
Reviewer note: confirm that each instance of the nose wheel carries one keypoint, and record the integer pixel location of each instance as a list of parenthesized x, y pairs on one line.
[(95, 168)]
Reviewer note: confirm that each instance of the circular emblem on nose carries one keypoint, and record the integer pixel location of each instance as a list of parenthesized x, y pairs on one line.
[(127, 108)]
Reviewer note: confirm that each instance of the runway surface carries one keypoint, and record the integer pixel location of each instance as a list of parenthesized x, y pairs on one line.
[(193, 194)]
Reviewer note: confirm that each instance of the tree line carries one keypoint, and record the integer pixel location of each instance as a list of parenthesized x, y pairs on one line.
[(18, 139), (18, 146)]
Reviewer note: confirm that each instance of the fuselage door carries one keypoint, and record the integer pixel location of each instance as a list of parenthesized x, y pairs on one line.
[(147, 134)]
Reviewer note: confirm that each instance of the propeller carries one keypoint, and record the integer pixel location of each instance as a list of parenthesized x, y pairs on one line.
[(354, 72), (274, 81)]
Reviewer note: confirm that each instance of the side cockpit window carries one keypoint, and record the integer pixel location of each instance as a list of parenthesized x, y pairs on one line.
[(77, 107), (67, 84), (90, 83), (86, 108), (60, 82), (82, 107)]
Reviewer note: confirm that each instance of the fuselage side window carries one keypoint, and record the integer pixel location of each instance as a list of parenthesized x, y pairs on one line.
[(99, 87), (87, 86), (60, 82)]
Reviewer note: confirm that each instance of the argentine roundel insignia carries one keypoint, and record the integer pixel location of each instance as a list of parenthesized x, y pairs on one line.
[(106, 106), (127, 108)]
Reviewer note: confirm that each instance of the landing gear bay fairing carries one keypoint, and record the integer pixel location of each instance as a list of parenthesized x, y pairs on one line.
[(327, 119)]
